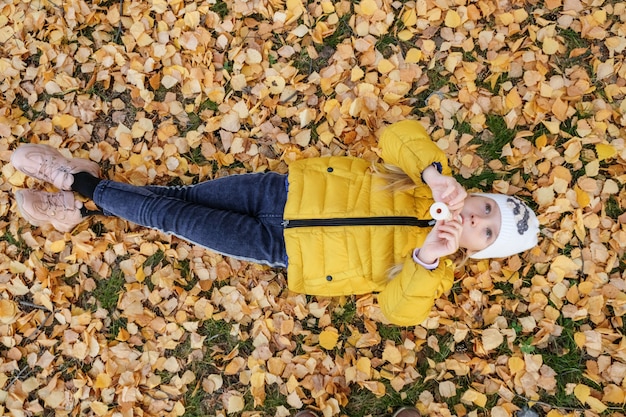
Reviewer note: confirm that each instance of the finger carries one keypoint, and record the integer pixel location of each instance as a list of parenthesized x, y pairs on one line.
[(447, 193), (454, 221), (449, 233), (449, 244), (456, 207), (456, 226), (458, 197)]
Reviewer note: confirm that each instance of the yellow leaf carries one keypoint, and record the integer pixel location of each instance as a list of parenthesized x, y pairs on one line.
[(405, 35), (596, 405), (179, 409), (122, 335), (99, 408), (516, 364), (376, 387), (560, 108), (364, 365), (513, 99), (471, 396), (234, 366), (385, 66), (356, 74), (505, 19), (392, 354), (140, 275), (102, 381), (582, 198), (57, 246), (257, 379), (553, 126), (328, 7), (481, 400), (453, 60), (235, 404), (413, 56), (541, 141), (63, 121), (275, 84), (17, 179), (605, 151), (368, 7), (328, 339), (453, 19), (582, 392), (409, 17), (562, 266), (326, 137), (8, 311), (295, 7), (550, 46)]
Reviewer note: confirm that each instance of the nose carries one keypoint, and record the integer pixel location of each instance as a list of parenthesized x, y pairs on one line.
[(476, 220)]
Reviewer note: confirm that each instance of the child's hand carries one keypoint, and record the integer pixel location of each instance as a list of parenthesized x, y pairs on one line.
[(442, 240), (445, 189)]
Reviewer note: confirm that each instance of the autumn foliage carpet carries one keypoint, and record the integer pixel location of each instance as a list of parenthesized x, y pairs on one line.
[(525, 97)]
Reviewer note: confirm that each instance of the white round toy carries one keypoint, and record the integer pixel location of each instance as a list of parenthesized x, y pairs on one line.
[(440, 211)]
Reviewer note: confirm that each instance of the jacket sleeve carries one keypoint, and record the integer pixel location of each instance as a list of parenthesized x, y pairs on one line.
[(408, 146), (408, 297)]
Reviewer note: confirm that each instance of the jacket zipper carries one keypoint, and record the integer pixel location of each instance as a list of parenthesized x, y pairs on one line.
[(360, 221)]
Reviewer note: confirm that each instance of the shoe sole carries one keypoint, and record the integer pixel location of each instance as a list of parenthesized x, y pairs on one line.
[(19, 198)]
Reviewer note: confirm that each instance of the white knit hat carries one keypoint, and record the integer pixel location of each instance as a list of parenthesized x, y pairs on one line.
[(518, 228)]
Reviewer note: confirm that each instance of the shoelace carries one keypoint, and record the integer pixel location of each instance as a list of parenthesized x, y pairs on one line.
[(50, 168), (55, 203)]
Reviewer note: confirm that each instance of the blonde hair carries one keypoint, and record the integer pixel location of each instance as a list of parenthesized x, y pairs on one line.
[(397, 180)]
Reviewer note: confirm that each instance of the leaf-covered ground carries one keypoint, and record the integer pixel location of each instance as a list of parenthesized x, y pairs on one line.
[(526, 97)]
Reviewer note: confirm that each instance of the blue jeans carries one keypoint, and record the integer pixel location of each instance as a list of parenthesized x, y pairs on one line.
[(239, 215)]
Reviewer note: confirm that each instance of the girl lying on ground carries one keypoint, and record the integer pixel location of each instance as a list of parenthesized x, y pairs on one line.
[(338, 224)]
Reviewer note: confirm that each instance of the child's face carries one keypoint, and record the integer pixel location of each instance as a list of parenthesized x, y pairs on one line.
[(481, 222)]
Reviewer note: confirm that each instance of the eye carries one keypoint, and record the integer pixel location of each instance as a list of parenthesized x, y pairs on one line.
[(487, 208), (489, 233)]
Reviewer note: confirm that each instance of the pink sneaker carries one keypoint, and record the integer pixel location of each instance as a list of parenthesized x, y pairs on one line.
[(60, 209), (48, 164)]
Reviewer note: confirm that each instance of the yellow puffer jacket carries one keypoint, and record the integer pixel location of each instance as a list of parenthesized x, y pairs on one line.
[(329, 256)]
